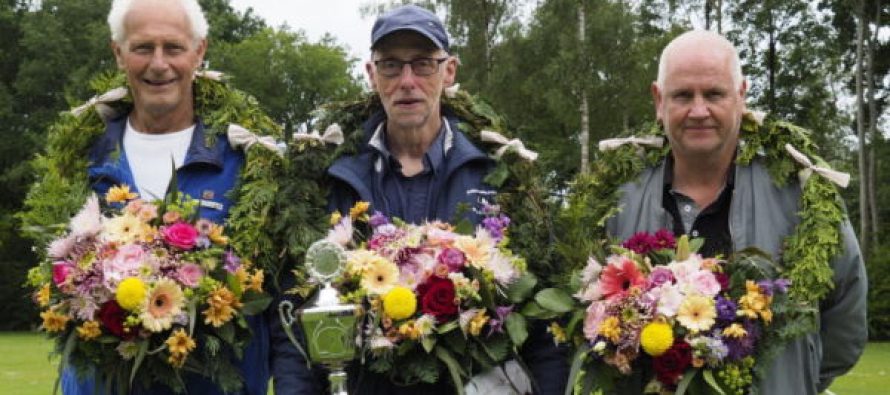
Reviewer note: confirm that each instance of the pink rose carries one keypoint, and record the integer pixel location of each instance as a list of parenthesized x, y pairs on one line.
[(596, 313), (181, 235), (705, 282), (190, 274), (61, 269), (126, 262)]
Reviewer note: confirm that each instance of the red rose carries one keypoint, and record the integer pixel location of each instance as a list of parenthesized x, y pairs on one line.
[(671, 365), (437, 298), (181, 235), (112, 317)]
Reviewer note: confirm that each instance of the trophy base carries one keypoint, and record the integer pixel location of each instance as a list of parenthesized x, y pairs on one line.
[(338, 382)]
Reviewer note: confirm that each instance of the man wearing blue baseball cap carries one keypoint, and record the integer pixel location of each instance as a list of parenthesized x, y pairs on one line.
[(416, 165)]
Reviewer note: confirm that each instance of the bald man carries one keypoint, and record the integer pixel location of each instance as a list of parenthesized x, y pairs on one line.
[(699, 190)]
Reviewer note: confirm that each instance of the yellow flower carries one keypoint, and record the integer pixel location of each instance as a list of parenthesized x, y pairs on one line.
[(610, 329), (755, 302), (180, 342), (358, 209), (380, 277), (735, 330), (126, 228), (163, 304), (43, 295), (216, 235), (697, 313), (476, 250), (53, 322), (130, 293), (399, 303), (558, 332), (241, 275), (478, 322), (222, 304), (256, 281), (89, 330), (336, 217), (656, 338), (177, 360), (117, 194), (410, 330)]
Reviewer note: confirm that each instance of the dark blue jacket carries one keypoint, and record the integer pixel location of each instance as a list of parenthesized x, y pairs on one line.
[(208, 173), (355, 178)]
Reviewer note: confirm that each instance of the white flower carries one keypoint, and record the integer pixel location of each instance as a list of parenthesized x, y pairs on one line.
[(465, 317), (380, 343), (128, 350), (502, 268), (341, 233), (669, 300), (592, 271), (60, 248), (87, 222)]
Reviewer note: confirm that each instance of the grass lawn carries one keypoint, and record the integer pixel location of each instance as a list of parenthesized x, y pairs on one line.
[(26, 370)]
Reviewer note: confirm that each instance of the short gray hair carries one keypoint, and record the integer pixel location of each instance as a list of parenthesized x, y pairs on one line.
[(737, 77), (120, 8)]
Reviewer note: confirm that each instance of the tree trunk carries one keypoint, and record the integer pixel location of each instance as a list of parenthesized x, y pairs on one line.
[(771, 61), (720, 16), (708, 6), (584, 137), (860, 131), (872, 129)]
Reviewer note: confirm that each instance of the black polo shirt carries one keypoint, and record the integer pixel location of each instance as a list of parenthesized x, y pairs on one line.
[(711, 223)]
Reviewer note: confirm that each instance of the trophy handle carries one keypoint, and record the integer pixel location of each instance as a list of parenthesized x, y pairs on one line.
[(286, 314)]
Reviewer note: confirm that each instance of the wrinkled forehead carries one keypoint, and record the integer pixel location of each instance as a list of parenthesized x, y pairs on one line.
[(403, 42)]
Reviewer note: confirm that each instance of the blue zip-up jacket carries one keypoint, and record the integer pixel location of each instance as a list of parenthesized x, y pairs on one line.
[(208, 173), (359, 178)]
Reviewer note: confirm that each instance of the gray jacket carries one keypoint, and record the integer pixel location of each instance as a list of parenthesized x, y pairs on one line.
[(761, 215)]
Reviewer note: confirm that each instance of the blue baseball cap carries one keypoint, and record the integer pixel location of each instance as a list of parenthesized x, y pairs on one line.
[(414, 18)]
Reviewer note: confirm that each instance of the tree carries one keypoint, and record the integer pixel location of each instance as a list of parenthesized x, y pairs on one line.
[(289, 75)]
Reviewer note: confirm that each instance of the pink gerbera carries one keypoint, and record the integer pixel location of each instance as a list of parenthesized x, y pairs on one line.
[(619, 277)]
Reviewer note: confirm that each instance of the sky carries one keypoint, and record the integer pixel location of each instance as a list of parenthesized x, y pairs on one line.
[(340, 18)]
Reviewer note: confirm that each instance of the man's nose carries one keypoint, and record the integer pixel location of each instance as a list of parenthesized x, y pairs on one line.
[(699, 108), (159, 59), (407, 78)]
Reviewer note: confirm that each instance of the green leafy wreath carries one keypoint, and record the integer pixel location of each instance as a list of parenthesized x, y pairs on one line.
[(808, 249), (62, 184), (521, 193)]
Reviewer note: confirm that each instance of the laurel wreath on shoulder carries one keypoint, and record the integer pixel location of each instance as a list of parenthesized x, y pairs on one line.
[(808, 250), (62, 184), (521, 193)]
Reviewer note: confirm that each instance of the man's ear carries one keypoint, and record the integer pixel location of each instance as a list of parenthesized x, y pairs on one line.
[(202, 50), (450, 71), (118, 55), (369, 68), (656, 97)]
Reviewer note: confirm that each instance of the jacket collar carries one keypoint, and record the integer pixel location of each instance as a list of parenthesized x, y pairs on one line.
[(198, 152)]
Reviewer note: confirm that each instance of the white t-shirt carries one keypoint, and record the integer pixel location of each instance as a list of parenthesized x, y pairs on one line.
[(150, 156)]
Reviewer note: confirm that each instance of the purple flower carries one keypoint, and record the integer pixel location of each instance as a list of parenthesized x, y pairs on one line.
[(641, 243), (232, 262), (664, 239), (726, 309), (743, 346), (378, 219), (453, 258), (495, 226), (496, 325), (660, 275), (782, 284), (490, 210)]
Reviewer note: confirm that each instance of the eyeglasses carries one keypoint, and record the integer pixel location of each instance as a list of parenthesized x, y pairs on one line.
[(420, 67)]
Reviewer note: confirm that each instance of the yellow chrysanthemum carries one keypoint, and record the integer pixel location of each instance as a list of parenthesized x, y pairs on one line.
[(242, 276), (399, 303), (221, 307), (755, 302), (163, 303), (380, 277), (43, 295), (216, 235), (54, 322), (126, 228), (610, 329), (697, 313), (360, 260), (180, 342), (558, 333), (656, 338), (256, 281), (118, 194), (336, 217), (359, 209), (130, 293), (177, 360), (410, 330), (89, 330), (735, 330), (478, 322)]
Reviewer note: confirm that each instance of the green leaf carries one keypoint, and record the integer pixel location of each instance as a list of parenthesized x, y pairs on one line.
[(257, 305), (428, 342), (140, 356), (555, 299), (522, 288), (685, 381), (534, 310), (448, 327), (497, 176), (234, 285), (453, 368), (517, 328), (577, 362), (709, 378)]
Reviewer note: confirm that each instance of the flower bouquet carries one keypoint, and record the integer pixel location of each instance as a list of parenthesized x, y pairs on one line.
[(140, 292), (437, 298), (658, 317)]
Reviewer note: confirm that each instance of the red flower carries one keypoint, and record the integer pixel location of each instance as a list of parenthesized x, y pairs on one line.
[(641, 243), (181, 235), (671, 365), (112, 317), (618, 277), (437, 298), (664, 239)]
